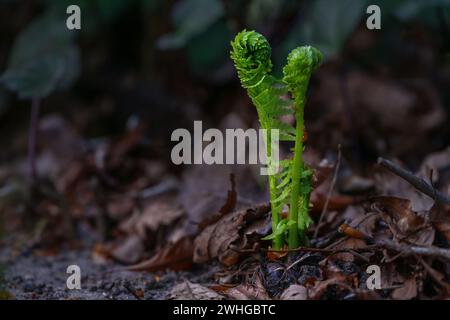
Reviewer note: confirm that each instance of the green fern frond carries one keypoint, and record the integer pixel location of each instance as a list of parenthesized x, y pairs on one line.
[(290, 186)]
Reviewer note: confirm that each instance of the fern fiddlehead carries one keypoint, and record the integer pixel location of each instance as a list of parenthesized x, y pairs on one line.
[(251, 55), (290, 186)]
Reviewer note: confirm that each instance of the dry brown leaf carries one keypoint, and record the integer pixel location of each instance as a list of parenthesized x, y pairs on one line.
[(392, 185), (227, 236), (174, 256), (120, 207), (351, 243), (353, 184), (276, 255), (193, 291), (203, 187), (400, 210), (435, 163), (336, 202), (228, 206), (351, 232), (404, 222), (440, 219), (372, 105), (295, 292), (321, 286), (156, 214), (129, 251), (248, 291), (408, 290)]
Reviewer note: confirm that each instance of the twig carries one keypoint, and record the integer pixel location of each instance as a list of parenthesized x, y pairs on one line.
[(418, 183), (330, 190), (430, 251), (332, 251)]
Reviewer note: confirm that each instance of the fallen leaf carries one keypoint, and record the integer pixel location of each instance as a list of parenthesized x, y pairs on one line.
[(336, 202), (404, 222), (248, 291), (407, 291), (226, 237), (295, 292), (193, 291), (229, 205), (174, 256), (435, 163), (440, 219), (354, 184), (129, 251), (321, 287), (157, 214)]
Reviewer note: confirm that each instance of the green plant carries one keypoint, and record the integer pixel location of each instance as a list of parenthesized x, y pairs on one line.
[(291, 184), (44, 58)]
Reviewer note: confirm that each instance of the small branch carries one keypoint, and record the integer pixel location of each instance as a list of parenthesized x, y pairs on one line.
[(418, 183), (320, 250), (330, 190), (415, 250)]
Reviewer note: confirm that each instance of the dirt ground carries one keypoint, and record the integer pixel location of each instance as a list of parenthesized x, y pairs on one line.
[(32, 277)]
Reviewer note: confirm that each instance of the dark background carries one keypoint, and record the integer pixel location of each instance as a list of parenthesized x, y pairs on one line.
[(167, 63), (138, 69)]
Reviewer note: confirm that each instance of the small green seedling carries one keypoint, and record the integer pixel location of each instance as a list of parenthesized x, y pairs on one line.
[(291, 185)]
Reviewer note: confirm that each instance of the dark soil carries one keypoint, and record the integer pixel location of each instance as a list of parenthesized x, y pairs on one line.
[(28, 276)]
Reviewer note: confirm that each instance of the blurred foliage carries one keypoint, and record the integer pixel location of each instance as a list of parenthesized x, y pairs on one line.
[(326, 25), (44, 56), (320, 23), (190, 18)]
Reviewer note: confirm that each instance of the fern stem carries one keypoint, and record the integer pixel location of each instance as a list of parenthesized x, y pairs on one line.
[(297, 228), (277, 241)]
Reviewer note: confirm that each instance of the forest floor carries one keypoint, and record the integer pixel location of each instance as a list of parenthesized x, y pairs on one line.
[(29, 276)]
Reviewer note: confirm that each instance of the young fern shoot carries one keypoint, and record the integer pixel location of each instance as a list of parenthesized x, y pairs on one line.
[(302, 61), (291, 184)]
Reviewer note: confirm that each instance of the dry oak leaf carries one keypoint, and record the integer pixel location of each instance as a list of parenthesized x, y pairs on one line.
[(230, 234)]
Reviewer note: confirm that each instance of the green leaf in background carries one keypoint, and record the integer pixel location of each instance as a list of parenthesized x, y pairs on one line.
[(43, 58), (408, 9), (190, 18), (325, 25), (263, 12), (111, 9), (207, 52), (426, 11)]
